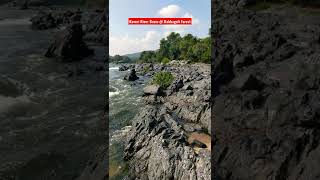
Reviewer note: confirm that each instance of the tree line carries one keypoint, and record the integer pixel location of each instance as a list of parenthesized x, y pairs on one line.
[(176, 47)]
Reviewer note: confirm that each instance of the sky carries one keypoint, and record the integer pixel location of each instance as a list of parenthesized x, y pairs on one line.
[(127, 39)]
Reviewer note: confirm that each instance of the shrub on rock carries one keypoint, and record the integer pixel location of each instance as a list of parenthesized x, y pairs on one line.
[(163, 79)]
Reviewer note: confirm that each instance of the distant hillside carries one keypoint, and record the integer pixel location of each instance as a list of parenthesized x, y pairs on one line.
[(128, 58), (134, 56)]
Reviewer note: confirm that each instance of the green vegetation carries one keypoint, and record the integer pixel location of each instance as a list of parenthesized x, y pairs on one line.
[(146, 70), (148, 57), (163, 79), (119, 59), (165, 60), (175, 47), (134, 56)]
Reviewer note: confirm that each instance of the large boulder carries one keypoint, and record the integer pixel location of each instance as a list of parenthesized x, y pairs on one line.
[(69, 45), (131, 76), (152, 90)]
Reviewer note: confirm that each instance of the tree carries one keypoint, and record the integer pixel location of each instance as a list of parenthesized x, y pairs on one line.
[(175, 47), (185, 46)]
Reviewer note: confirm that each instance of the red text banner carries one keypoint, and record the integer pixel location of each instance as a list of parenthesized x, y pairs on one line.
[(160, 21)]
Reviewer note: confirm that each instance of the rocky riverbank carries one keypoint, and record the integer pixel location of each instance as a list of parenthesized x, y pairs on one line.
[(173, 126), (266, 92)]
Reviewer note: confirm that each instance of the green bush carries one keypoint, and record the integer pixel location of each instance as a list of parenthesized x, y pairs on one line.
[(146, 70), (165, 60), (163, 79)]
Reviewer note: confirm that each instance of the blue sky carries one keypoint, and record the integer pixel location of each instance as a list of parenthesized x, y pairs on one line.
[(125, 39)]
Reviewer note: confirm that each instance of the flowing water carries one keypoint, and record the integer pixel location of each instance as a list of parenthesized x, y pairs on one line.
[(124, 103), (49, 121)]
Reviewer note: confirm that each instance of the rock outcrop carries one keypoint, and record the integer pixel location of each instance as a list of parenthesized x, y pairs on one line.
[(43, 20), (266, 93), (131, 76), (25, 4), (54, 19), (69, 45), (162, 128), (94, 22)]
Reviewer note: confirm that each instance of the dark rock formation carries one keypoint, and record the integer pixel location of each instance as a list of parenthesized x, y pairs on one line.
[(43, 20), (131, 76), (96, 27), (266, 93), (157, 146), (53, 19), (124, 68), (69, 45), (25, 4), (94, 22)]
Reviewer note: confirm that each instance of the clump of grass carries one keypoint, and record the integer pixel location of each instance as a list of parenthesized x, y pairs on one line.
[(165, 60), (146, 70), (163, 79)]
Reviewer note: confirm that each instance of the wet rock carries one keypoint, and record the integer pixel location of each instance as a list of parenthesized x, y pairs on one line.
[(69, 45), (131, 76), (43, 20), (123, 68)]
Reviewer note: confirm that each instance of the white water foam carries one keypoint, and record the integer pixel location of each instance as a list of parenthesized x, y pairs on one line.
[(114, 68), (114, 93), (121, 134)]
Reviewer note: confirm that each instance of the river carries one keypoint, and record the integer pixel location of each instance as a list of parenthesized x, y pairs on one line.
[(124, 103)]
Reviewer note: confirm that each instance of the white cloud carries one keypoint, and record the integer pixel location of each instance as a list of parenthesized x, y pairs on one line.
[(125, 44), (182, 28), (170, 11), (195, 21)]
